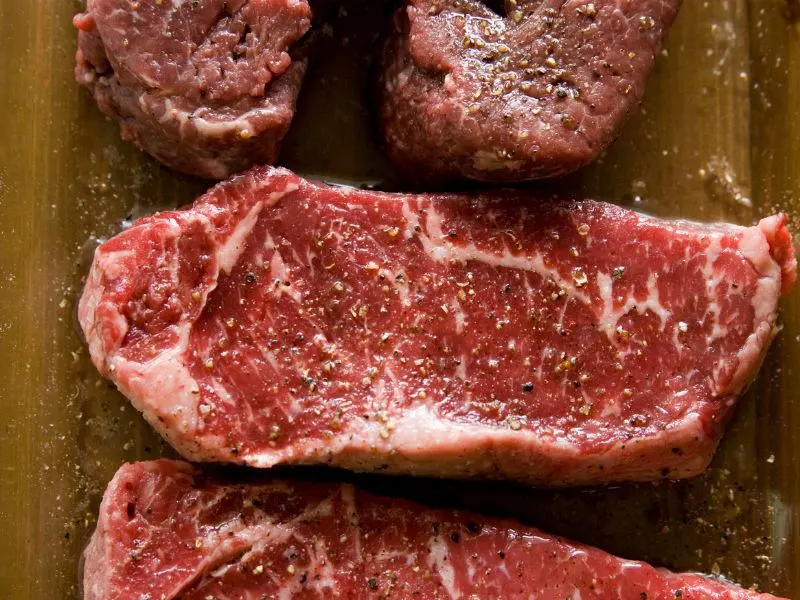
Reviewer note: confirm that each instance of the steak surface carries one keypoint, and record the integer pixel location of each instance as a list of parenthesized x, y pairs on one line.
[(208, 88), (536, 90), (167, 531), (503, 335)]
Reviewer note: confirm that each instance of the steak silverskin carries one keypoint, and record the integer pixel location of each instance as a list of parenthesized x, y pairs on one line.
[(500, 335), (537, 90), (208, 88), (168, 531)]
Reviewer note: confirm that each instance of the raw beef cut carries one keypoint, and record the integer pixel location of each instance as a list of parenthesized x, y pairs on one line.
[(501, 335), (536, 90), (167, 531), (208, 88)]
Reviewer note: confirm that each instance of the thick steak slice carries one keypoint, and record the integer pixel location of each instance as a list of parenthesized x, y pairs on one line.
[(500, 335), (535, 92), (208, 88), (167, 531)]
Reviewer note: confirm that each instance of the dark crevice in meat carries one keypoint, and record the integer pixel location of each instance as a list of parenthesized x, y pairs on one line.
[(505, 334), (241, 49), (318, 541), (498, 7)]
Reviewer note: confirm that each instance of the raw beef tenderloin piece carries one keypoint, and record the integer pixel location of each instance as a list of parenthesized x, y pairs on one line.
[(498, 335), (536, 92), (168, 531), (208, 88)]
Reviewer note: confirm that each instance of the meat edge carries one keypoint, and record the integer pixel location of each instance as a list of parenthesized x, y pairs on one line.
[(769, 248)]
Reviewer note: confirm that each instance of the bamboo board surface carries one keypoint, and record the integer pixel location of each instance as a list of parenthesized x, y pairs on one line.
[(718, 138)]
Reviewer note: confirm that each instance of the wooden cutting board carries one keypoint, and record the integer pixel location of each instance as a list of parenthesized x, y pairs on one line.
[(717, 138)]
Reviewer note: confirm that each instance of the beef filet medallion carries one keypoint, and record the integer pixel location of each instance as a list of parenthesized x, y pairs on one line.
[(537, 91), (208, 88)]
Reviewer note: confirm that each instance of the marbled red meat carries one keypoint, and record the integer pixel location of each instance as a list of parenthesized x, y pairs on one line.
[(208, 88), (502, 335), (535, 90), (167, 531)]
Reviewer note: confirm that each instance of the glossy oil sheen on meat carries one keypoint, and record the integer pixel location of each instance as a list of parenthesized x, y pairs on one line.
[(502, 335)]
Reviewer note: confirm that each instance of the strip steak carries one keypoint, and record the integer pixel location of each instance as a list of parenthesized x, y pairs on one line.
[(502, 335), (208, 88), (537, 91), (208, 538)]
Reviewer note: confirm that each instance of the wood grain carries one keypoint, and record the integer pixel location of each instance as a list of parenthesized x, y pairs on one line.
[(718, 138)]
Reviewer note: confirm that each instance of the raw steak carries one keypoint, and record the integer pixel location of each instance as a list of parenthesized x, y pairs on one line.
[(499, 335), (167, 531), (208, 88), (536, 91)]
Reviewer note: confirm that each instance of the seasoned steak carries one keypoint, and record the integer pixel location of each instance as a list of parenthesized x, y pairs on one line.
[(167, 531), (552, 341), (535, 91), (208, 88)]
